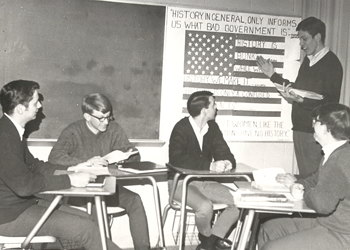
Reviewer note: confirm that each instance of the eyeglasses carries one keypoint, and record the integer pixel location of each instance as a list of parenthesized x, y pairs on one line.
[(102, 119), (315, 120)]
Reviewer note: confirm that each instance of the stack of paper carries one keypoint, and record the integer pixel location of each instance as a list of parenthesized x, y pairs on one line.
[(243, 199), (272, 197)]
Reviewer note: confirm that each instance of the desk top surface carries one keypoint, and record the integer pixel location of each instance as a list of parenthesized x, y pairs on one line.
[(299, 206), (108, 189), (148, 166), (241, 169)]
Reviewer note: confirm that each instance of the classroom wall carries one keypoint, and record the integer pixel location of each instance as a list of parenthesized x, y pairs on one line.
[(255, 154)]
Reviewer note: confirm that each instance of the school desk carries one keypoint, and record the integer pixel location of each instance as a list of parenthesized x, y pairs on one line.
[(253, 209), (150, 176), (241, 171), (97, 192)]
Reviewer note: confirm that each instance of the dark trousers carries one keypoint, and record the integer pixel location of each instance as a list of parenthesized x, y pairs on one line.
[(307, 152), (65, 223), (301, 234), (133, 206)]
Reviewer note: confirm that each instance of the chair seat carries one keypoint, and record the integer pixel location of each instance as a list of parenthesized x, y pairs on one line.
[(116, 211), (15, 242), (216, 206)]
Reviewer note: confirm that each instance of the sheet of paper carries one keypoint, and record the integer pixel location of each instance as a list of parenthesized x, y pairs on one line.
[(265, 179), (117, 156)]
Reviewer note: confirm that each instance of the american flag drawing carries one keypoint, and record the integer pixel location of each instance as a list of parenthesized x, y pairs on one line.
[(224, 63)]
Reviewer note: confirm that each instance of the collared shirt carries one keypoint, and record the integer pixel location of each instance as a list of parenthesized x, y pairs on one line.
[(328, 150), (18, 127), (315, 58), (199, 133)]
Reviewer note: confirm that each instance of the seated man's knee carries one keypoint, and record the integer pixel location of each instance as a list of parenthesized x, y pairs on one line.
[(205, 209), (136, 199)]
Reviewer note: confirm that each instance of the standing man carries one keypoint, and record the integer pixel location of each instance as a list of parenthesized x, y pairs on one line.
[(327, 191), (89, 140), (196, 142), (22, 176), (320, 72)]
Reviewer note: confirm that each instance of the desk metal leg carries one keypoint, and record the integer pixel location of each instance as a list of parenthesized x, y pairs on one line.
[(105, 219), (246, 229), (158, 210), (183, 211), (100, 219), (41, 222)]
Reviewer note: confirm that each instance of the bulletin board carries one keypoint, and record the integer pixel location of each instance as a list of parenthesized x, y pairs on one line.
[(77, 47), (216, 51)]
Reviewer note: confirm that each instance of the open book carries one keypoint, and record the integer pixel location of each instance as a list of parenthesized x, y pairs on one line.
[(299, 92), (265, 179), (118, 156)]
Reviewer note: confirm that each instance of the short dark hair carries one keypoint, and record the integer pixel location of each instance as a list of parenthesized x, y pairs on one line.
[(96, 101), (15, 93), (197, 101), (336, 117), (313, 26)]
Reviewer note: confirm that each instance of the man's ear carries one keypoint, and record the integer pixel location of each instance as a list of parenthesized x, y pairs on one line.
[(204, 111), (318, 37), (20, 108), (87, 116)]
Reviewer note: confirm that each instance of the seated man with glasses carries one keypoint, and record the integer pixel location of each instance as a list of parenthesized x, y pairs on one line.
[(89, 140)]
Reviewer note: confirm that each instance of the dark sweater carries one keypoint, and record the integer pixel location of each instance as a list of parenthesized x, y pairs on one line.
[(77, 143), (22, 175), (324, 77), (184, 150), (328, 191)]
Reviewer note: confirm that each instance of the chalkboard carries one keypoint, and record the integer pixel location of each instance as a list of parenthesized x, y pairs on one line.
[(77, 47)]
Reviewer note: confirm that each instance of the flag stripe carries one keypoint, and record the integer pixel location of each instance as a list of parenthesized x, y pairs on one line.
[(279, 52), (277, 39), (244, 113), (253, 63), (242, 99), (232, 87)]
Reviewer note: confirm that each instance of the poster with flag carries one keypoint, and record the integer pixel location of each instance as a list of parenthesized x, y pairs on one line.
[(216, 51)]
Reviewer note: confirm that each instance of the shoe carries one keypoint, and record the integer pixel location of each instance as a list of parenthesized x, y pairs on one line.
[(200, 247), (223, 244), (202, 238)]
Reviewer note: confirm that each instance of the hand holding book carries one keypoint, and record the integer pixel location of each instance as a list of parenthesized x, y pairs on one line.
[(288, 92), (118, 156)]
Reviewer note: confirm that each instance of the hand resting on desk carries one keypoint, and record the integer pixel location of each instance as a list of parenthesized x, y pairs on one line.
[(221, 166), (286, 179), (81, 179), (297, 191)]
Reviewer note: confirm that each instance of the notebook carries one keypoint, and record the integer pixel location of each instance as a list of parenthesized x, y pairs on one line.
[(142, 167)]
